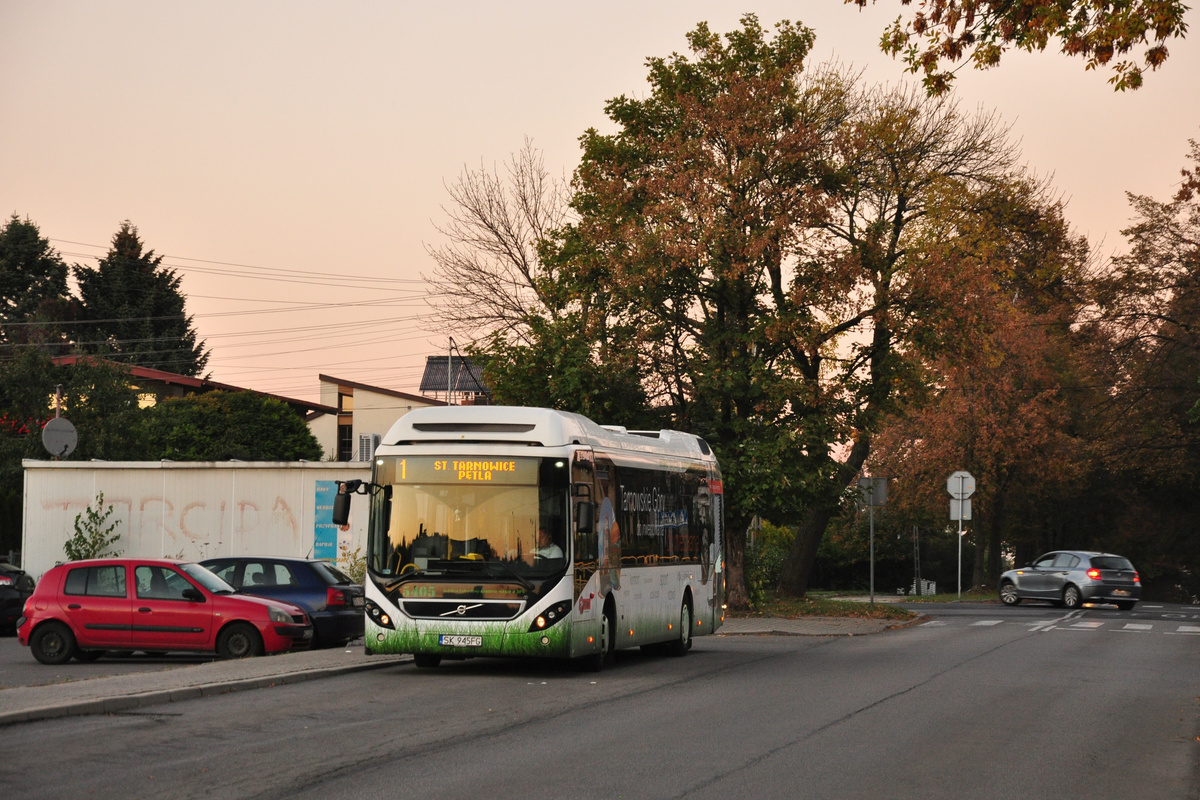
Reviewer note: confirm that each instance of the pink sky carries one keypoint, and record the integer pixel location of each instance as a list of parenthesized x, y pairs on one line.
[(289, 158)]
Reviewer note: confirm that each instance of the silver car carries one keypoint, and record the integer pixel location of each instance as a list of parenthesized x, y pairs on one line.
[(1073, 577)]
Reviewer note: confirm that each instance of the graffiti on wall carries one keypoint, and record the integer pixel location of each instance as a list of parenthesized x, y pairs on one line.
[(153, 525)]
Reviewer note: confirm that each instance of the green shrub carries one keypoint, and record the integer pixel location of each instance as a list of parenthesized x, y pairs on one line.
[(92, 535), (352, 562), (765, 560)]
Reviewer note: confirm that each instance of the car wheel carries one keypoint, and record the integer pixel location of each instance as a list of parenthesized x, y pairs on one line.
[(683, 642), (1071, 597), (426, 660), (52, 643), (88, 655), (1008, 594), (239, 640), (1126, 605)]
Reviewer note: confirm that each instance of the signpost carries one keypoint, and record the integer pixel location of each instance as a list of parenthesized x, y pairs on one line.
[(960, 485), (59, 436), (874, 493)]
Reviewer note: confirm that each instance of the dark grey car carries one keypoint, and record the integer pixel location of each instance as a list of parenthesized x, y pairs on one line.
[(1073, 577)]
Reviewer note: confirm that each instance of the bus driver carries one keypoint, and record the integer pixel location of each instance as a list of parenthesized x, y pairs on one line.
[(546, 547)]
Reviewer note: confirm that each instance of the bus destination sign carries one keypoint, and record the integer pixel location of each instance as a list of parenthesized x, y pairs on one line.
[(441, 469)]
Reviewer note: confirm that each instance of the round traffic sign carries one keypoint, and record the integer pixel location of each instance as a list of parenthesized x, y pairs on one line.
[(961, 485)]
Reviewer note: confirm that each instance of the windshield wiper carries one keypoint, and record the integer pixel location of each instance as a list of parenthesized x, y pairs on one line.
[(520, 579), (402, 577)]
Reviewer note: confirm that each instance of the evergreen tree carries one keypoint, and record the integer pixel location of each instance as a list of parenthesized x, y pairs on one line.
[(133, 310), (33, 286)]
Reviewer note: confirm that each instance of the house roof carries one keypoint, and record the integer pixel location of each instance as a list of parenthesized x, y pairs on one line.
[(366, 387), (150, 375), (468, 376)]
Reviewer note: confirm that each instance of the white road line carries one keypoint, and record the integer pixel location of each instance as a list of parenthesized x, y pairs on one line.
[(1086, 625), (1188, 629), (933, 624), (986, 622), (1136, 626)]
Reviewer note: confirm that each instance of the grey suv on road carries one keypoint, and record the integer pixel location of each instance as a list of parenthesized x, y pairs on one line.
[(1073, 577)]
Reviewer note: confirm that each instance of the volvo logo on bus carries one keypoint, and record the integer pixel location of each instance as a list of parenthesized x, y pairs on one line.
[(462, 609)]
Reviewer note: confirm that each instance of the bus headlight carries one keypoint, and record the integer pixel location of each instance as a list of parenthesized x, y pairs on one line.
[(550, 617), (379, 616)]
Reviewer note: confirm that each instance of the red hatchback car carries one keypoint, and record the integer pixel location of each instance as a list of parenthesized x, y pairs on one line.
[(83, 608)]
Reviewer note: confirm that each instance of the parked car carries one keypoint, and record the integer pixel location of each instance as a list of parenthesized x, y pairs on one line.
[(15, 588), (1073, 577), (83, 609), (333, 601)]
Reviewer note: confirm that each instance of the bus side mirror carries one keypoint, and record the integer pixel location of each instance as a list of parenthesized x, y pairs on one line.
[(584, 523), (341, 506)]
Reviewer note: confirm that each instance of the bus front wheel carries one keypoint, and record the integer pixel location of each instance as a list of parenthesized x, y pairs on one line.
[(683, 642), (607, 654)]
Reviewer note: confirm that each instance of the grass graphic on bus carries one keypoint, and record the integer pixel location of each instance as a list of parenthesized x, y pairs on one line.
[(413, 640)]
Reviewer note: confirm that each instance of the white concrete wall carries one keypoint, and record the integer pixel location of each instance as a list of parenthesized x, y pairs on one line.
[(324, 428), (190, 510), (376, 413)]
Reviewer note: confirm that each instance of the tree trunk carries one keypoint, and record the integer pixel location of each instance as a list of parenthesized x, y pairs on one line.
[(735, 566), (794, 579)]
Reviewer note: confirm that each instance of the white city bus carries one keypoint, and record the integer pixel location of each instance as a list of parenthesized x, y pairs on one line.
[(498, 531)]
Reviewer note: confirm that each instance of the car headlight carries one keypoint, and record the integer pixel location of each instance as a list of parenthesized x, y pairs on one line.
[(279, 615)]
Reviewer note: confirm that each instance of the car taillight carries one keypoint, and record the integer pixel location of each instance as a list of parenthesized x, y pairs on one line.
[(5, 580), (1094, 574), (1136, 578), (335, 597)]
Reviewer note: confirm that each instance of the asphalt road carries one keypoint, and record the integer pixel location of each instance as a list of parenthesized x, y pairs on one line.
[(978, 701)]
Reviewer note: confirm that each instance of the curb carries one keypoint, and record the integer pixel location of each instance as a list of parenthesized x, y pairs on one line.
[(109, 705)]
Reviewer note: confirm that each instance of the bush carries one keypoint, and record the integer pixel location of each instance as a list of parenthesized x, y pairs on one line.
[(352, 562), (764, 561), (92, 536)]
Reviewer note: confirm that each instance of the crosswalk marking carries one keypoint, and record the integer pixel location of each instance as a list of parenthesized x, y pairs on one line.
[(1071, 622)]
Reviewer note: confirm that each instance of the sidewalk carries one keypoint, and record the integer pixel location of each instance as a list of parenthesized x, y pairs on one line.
[(123, 692)]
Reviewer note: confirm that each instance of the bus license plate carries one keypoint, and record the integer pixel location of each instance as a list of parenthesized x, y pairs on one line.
[(454, 640)]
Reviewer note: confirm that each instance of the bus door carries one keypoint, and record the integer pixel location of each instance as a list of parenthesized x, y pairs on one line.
[(585, 546), (716, 491)]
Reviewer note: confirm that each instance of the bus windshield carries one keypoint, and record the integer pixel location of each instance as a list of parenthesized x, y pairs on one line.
[(485, 517)]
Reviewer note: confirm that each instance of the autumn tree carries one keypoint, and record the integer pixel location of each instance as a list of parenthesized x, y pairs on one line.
[(1001, 401), (1149, 436), (745, 254), (662, 294), (133, 309), (981, 31)]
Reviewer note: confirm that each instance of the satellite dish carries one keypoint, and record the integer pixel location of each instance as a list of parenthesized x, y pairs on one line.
[(59, 437)]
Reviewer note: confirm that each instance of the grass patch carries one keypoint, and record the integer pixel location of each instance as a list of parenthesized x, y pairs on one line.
[(821, 604)]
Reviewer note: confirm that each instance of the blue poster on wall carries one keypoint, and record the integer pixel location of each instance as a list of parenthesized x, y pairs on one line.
[(325, 533)]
